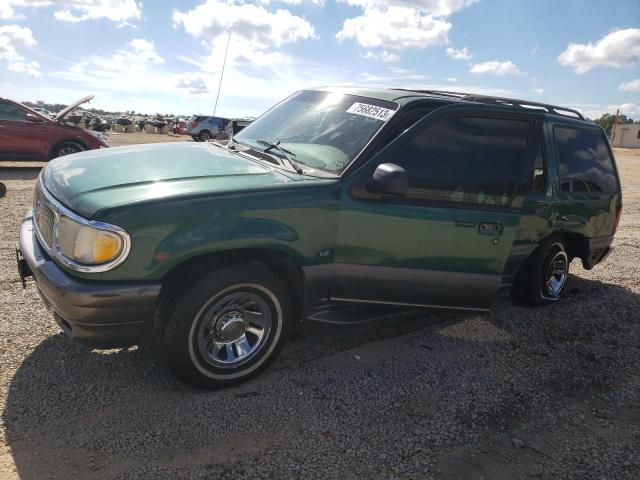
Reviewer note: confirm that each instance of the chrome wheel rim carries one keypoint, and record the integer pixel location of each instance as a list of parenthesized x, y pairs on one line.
[(233, 329), (555, 275), (67, 151)]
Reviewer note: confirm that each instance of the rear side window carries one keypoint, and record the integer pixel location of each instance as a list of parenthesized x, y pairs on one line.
[(465, 159), (584, 161)]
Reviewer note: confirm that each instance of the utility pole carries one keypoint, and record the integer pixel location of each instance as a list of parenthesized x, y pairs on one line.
[(222, 74), (613, 127)]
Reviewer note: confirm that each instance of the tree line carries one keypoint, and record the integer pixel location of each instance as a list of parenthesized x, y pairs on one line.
[(607, 120)]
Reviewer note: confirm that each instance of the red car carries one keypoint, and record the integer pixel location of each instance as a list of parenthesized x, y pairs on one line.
[(27, 135)]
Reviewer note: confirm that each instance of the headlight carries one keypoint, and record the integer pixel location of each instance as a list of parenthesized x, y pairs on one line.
[(88, 245), (99, 135)]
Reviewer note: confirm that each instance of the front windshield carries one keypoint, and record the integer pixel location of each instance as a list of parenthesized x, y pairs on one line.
[(321, 130)]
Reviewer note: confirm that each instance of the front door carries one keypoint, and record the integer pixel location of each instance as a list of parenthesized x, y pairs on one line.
[(446, 243), (20, 137)]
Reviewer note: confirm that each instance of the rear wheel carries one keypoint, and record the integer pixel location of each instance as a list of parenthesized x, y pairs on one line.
[(227, 327), (544, 275), (67, 148)]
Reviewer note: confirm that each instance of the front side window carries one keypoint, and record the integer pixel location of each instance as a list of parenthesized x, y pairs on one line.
[(584, 161), (465, 160), (9, 111), (322, 130)]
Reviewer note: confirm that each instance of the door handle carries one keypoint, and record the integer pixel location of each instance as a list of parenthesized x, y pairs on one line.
[(490, 228)]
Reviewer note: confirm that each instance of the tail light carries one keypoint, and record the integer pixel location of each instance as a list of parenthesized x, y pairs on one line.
[(618, 215), (194, 124)]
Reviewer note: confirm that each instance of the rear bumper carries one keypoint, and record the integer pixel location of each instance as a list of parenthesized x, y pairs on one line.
[(101, 314)]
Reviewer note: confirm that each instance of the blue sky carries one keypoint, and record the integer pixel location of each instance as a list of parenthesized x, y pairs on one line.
[(167, 57)]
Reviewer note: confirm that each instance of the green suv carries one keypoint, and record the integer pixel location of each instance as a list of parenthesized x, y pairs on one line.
[(424, 199)]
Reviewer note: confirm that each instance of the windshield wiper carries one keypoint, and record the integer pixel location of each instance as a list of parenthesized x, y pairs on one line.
[(285, 153)]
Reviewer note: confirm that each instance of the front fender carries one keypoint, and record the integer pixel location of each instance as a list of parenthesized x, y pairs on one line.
[(301, 222)]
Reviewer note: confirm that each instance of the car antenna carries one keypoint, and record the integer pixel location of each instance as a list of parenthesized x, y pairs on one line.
[(224, 62)]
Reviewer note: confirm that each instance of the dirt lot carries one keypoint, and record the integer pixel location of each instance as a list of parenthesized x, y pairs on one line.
[(551, 393), (115, 140), (119, 139)]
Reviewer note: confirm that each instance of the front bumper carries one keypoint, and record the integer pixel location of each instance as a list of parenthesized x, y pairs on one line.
[(100, 314)]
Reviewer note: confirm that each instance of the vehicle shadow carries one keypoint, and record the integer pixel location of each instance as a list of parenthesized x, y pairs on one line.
[(28, 172), (74, 412)]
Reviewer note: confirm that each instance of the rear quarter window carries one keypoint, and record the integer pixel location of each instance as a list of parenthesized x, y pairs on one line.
[(584, 160)]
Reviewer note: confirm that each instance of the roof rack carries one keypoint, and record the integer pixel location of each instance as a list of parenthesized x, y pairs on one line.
[(472, 97)]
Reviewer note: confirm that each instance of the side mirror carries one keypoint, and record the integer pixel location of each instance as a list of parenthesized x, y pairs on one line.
[(30, 117), (391, 179)]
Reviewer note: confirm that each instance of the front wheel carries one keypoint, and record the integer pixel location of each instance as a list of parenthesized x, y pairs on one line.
[(67, 148), (227, 327), (204, 136), (544, 275)]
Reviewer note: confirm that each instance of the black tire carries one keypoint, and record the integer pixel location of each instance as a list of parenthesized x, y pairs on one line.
[(67, 148), (204, 136), (533, 285), (201, 311), (3, 189)]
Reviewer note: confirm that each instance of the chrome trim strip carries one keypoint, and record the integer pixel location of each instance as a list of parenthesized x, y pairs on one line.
[(418, 305), (54, 251)]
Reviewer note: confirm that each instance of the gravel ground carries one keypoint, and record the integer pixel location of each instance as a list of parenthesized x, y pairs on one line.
[(549, 393)]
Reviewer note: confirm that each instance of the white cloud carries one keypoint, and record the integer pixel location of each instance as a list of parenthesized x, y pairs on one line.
[(143, 50), (495, 67), (30, 68), (452, 79), (421, 82), (398, 24), (194, 83), (256, 68), (463, 54), (252, 23), (534, 50), (7, 12), (619, 49), (537, 91), (13, 38), (78, 10), (433, 7), (129, 67), (595, 110), (384, 56), (389, 57), (395, 28), (293, 2), (632, 86)]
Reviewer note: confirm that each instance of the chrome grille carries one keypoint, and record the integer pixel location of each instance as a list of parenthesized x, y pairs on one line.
[(44, 217)]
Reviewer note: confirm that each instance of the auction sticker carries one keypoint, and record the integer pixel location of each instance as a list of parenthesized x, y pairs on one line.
[(371, 111)]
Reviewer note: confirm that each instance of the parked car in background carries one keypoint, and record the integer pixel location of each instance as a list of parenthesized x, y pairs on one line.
[(418, 199), (180, 126), (27, 135), (203, 128), (44, 112), (236, 125)]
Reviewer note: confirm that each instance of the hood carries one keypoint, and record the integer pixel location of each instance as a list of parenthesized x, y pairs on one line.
[(100, 179), (62, 113)]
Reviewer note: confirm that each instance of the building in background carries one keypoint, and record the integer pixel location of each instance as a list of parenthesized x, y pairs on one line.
[(626, 136)]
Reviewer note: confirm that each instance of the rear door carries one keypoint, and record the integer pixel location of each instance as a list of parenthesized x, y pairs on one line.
[(447, 242)]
